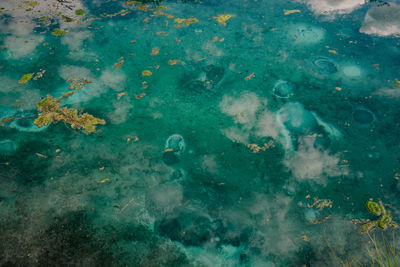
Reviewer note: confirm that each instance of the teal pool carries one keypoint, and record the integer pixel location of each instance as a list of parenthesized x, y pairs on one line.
[(199, 133)]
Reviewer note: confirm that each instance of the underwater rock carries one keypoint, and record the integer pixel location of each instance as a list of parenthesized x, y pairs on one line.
[(170, 158), (187, 229), (214, 74), (196, 86), (171, 228), (8, 147), (283, 89), (324, 65), (363, 116)]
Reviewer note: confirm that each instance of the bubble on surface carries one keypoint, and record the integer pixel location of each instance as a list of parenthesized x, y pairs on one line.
[(363, 116), (283, 89), (325, 65)]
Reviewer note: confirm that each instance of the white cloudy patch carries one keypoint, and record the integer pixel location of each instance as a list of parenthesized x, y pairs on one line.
[(22, 46), (114, 78), (251, 116), (121, 110), (310, 163), (75, 39), (331, 7), (388, 92), (76, 72), (267, 125), (237, 135), (382, 20), (209, 163), (243, 109)]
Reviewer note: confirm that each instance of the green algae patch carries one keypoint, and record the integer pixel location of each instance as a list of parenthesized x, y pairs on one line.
[(50, 112), (59, 33), (384, 221), (31, 3), (79, 12), (25, 78)]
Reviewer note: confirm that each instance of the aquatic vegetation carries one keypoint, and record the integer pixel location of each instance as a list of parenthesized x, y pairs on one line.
[(25, 78), (59, 32), (24, 122), (50, 111), (187, 21), (223, 18), (224, 120), (384, 221), (79, 12), (147, 73)]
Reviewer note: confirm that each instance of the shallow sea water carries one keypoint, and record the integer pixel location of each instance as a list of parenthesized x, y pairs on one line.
[(237, 133)]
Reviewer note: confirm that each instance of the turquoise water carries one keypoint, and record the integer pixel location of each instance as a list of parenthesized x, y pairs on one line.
[(254, 138)]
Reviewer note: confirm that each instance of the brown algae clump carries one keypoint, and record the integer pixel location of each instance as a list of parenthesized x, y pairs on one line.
[(50, 111)]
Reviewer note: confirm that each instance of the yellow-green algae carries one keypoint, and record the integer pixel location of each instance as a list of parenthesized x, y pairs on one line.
[(59, 32), (25, 78), (50, 111), (385, 220)]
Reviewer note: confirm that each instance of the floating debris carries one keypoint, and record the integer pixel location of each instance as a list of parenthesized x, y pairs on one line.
[(147, 73), (187, 21), (288, 12), (223, 18)]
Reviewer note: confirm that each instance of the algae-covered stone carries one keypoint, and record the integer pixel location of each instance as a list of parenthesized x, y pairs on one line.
[(385, 220), (374, 208)]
